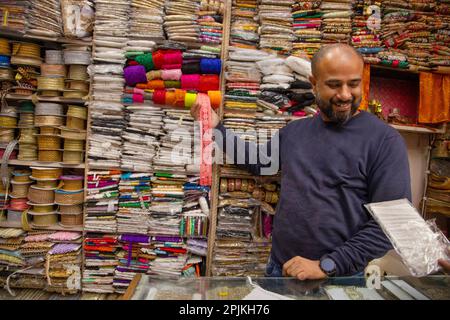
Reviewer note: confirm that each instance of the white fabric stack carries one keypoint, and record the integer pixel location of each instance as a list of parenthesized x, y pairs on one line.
[(107, 111), (147, 17), (180, 22), (140, 137)]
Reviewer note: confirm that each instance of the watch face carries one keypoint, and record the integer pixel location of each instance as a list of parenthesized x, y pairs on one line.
[(327, 265)]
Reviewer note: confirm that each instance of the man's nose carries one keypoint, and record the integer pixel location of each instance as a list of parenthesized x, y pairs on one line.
[(344, 93)]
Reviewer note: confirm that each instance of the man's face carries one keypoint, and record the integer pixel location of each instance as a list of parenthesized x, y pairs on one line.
[(337, 86)]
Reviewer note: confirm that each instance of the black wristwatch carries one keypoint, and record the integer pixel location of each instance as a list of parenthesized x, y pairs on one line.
[(328, 266)]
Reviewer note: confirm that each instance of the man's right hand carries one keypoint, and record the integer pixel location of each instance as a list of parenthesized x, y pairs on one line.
[(195, 113)]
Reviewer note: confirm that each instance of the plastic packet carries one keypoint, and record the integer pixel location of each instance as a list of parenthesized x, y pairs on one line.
[(78, 18)]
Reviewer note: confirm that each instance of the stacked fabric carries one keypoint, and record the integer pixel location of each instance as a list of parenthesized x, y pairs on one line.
[(100, 263), (146, 19), (365, 30), (180, 22), (10, 242), (63, 262), (244, 29), (171, 257), (35, 247), (175, 149), (102, 201), (14, 14), (167, 204), (210, 21), (267, 126), (198, 247), (307, 21), (276, 30), (440, 39), (107, 116), (394, 58), (194, 220), (336, 21), (134, 201), (44, 18), (134, 257), (140, 137)]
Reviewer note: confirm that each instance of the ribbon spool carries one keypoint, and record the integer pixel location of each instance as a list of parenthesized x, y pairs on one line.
[(159, 96), (174, 74), (172, 57), (134, 75), (27, 152), (48, 142), (47, 121), (50, 155), (71, 220), (40, 173), (191, 68), (26, 107), (73, 145), (208, 83), (215, 97), (73, 157), (8, 121), (172, 84), (18, 204), (190, 81), (76, 85), (47, 184), (5, 49), (29, 50), (154, 74), (28, 135), (77, 57), (179, 98), (50, 84), (19, 189), (77, 112), (26, 120), (6, 75), (146, 60), (54, 57), (77, 72), (155, 84), (41, 196), (69, 197), (71, 182), (22, 175), (53, 70), (210, 66), (44, 219), (189, 99), (73, 134), (52, 131), (6, 135)]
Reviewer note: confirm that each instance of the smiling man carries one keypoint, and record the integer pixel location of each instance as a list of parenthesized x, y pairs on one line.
[(331, 165)]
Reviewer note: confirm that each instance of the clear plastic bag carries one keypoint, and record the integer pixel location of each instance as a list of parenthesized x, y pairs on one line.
[(78, 18)]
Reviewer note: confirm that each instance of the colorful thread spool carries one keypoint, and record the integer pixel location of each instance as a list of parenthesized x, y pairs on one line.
[(189, 99), (190, 81), (208, 83), (210, 66), (134, 75)]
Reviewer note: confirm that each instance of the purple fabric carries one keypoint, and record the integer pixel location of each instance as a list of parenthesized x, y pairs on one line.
[(61, 248), (134, 75), (139, 238), (168, 239), (101, 184)]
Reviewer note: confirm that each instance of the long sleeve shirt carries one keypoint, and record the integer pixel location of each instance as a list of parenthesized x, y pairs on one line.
[(328, 172)]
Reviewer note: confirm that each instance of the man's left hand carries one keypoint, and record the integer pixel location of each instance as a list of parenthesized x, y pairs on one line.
[(303, 269)]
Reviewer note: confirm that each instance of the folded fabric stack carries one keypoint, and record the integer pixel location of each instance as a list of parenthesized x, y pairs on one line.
[(180, 21), (14, 15), (194, 219), (134, 201), (393, 58), (242, 90), (244, 28), (210, 21), (307, 21), (175, 150), (440, 39), (146, 19), (10, 241), (365, 30), (140, 137), (63, 263), (198, 247), (267, 126), (276, 30), (171, 257), (102, 201), (134, 257), (100, 263), (336, 21), (44, 18), (35, 247), (167, 203)]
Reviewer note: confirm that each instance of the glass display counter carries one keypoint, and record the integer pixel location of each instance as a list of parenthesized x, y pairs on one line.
[(144, 287)]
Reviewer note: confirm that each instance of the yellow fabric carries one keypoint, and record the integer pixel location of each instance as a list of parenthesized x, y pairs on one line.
[(434, 102), (365, 87)]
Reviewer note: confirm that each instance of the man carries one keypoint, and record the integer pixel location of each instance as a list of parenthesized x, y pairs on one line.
[(331, 165)]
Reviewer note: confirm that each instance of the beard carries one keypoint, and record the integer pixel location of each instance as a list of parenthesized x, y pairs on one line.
[(338, 117)]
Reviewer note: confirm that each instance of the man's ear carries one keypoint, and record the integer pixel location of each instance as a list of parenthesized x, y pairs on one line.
[(313, 82)]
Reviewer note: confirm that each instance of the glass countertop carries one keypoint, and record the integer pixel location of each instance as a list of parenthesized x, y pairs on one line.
[(435, 287)]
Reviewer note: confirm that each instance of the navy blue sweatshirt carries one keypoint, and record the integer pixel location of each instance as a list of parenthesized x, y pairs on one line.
[(328, 172)]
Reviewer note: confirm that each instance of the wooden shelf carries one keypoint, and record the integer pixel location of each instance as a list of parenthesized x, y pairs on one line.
[(45, 99), (45, 164), (16, 35), (417, 129), (6, 224)]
